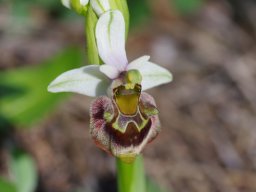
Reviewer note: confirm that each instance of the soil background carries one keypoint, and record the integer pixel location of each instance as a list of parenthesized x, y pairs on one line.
[(208, 138)]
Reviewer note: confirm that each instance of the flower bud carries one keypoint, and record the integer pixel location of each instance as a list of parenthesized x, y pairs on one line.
[(100, 6), (79, 6)]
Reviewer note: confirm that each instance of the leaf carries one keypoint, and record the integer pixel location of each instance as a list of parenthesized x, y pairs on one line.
[(24, 98), (7, 186), (24, 171)]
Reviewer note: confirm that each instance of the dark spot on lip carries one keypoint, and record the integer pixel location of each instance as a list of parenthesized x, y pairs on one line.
[(131, 137), (99, 113)]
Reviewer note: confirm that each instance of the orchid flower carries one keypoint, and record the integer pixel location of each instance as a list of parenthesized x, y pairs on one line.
[(123, 118)]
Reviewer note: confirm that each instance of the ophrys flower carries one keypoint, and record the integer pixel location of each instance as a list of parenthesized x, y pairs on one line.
[(123, 118)]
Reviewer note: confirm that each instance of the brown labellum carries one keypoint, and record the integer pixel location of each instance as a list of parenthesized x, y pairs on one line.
[(121, 131)]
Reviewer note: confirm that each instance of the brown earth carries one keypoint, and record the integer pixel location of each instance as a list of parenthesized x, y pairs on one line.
[(208, 138)]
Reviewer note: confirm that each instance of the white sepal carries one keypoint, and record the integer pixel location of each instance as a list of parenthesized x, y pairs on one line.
[(152, 74), (109, 71), (100, 6), (66, 3), (86, 80), (110, 36), (139, 60)]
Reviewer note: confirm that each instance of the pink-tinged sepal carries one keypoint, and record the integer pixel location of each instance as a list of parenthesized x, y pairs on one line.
[(124, 136)]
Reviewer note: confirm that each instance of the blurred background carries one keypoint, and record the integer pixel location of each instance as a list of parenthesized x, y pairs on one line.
[(208, 138)]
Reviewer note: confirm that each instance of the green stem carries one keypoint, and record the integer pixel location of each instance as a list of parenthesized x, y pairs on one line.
[(90, 25), (131, 176)]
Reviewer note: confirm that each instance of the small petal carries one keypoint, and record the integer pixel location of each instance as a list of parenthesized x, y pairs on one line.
[(66, 3), (139, 60), (152, 74), (110, 36), (84, 2), (100, 6), (109, 71), (85, 80)]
